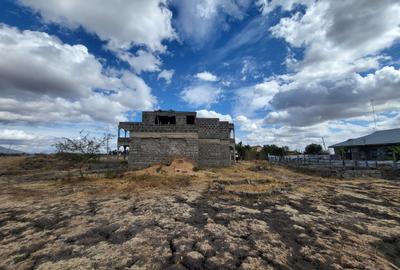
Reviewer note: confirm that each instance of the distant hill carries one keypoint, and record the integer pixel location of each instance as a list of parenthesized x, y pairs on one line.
[(4, 150)]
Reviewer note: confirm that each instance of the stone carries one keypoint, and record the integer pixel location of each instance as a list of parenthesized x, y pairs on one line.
[(193, 260)]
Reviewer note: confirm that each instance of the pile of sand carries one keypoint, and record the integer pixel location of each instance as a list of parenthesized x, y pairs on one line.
[(177, 167)]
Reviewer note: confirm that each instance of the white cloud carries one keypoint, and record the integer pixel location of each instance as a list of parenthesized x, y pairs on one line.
[(17, 139), (166, 75), (198, 20), (141, 61), (257, 97), (121, 23), (340, 40), (201, 95), (65, 70), (266, 6), (340, 37), (306, 104), (214, 114), (64, 89), (41, 139), (247, 124), (328, 91), (254, 132), (135, 93), (15, 135), (206, 76)]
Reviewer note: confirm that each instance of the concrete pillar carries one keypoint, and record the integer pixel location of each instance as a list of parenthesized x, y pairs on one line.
[(234, 146)]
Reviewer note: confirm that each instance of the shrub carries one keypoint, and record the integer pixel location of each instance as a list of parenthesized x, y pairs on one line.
[(112, 174)]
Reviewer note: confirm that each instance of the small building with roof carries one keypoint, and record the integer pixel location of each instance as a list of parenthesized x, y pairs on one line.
[(375, 146)]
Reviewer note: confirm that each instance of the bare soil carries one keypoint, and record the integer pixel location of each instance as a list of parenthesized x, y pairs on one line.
[(249, 216)]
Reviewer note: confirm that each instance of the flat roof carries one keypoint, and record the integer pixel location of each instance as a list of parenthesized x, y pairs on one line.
[(169, 111), (380, 137)]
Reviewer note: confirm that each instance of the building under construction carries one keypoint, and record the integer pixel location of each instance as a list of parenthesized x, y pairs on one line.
[(165, 135)]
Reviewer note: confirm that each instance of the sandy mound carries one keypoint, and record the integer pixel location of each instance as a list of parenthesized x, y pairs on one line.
[(177, 167)]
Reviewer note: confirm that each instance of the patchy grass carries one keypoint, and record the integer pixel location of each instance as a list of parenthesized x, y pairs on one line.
[(256, 188), (177, 217)]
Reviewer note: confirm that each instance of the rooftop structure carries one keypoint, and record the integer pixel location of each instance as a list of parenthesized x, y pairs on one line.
[(165, 135), (375, 146)]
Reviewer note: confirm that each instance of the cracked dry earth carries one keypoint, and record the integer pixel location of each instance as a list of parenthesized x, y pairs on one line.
[(223, 219)]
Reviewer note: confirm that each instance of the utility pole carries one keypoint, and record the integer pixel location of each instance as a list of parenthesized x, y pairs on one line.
[(9, 149), (108, 139), (323, 142), (373, 112)]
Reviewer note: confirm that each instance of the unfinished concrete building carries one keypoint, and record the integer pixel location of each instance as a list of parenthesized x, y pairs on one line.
[(165, 135)]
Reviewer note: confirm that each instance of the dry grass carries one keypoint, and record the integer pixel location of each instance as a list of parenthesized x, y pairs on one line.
[(10, 162), (255, 188), (158, 178), (157, 217)]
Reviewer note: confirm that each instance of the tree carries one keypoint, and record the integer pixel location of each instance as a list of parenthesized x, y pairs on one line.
[(313, 149), (108, 135), (275, 150), (396, 151), (84, 148), (240, 149)]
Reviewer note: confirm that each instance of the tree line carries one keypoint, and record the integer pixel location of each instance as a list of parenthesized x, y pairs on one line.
[(249, 152)]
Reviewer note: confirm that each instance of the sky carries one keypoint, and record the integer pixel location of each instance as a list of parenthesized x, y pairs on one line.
[(284, 72)]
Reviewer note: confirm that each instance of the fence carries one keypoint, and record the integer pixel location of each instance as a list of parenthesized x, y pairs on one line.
[(329, 161)]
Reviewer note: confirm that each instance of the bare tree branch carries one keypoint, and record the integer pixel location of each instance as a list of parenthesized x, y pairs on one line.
[(85, 147)]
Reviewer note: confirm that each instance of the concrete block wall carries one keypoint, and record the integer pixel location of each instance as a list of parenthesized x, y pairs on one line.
[(163, 128), (214, 153), (147, 151), (224, 130), (208, 128), (225, 154), (207, 142), (148, 118)]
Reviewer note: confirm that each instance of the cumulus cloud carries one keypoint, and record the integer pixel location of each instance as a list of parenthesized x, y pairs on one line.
[(17, 139), (141, 61), (206, 76), (248, 125), (121, 23), (342, 43), (328, 91), (7, 135), (214, 114), (341, 40), (257, 97), (65, 70), (340, 37), (61, 82), (166, 75), (339, 99), (255, 132), (201, 95)]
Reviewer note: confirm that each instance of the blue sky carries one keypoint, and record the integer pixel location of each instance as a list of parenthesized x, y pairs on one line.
[(285, 72)]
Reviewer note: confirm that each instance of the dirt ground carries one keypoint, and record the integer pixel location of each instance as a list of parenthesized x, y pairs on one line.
[(249, 216)]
